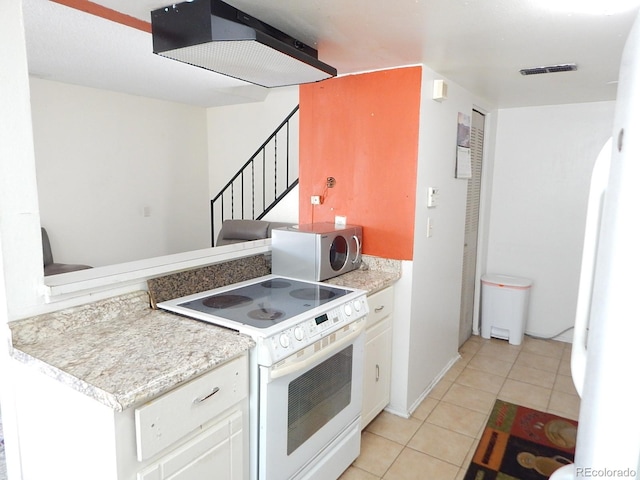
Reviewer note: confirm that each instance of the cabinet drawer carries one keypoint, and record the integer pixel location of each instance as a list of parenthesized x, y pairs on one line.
[(168, 418), (380, 306)]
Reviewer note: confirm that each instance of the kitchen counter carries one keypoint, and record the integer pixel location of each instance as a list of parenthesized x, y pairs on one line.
[(119, 351), (374, 275), (122, 353)]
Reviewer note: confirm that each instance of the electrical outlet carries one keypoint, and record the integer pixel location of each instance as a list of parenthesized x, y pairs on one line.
[(316, 199), (340, 220)]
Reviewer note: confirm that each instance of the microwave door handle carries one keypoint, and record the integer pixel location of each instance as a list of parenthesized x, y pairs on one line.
[(358, 247)]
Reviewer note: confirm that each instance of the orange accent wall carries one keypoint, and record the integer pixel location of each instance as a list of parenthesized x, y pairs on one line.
[(363, 131)]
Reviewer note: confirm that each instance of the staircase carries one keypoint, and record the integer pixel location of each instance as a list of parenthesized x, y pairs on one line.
[(265, 179)]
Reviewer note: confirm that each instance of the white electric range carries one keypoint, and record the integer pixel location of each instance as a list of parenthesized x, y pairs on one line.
[(306, 370)]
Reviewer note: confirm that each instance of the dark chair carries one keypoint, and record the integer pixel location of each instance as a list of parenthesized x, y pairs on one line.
[(52, 268)]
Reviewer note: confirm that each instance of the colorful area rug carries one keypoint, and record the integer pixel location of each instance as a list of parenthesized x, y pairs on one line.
[(520, 443)]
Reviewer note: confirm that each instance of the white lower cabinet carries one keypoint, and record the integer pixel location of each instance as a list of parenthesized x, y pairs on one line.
[(209, 404), (215, 453), (198, 431), (377, 355)]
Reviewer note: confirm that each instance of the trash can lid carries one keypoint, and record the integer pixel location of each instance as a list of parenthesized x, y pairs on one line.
[(505, 280)]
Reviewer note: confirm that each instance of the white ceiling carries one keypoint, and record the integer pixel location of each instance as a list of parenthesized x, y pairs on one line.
[(479, 44)]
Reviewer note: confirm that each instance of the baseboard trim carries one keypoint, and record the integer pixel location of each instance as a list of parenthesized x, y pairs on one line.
[(423, 395)]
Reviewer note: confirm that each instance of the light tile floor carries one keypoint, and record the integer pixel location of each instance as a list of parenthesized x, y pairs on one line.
[(438, 440)]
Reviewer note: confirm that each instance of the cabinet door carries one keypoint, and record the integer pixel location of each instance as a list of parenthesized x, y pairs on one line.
[(377, 370), (217, 453)]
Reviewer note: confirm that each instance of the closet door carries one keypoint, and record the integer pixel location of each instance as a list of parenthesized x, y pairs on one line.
[(471, 228)]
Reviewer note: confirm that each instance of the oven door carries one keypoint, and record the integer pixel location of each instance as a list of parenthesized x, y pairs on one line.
[(309, 409)]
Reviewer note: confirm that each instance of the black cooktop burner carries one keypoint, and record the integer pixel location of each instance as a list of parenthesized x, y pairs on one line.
[(266, 302), (312, 294), (275, 284), (226, 301), (266, 314)]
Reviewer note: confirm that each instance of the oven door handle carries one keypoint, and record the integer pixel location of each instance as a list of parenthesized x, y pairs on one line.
[(303, 363)]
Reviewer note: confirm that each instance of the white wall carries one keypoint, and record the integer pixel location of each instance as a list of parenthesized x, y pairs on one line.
[(236, 132), (287, 210), (102, 158), (428, 297), (19, 219), (543, 162)]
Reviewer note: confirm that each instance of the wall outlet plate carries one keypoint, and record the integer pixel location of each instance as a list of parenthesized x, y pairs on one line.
[(341, 221), (316, 199)]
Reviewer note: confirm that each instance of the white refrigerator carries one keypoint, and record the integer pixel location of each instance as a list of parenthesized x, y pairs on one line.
[(605, 360)]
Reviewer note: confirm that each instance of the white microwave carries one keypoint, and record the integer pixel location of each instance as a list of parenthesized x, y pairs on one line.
[(316, 251)]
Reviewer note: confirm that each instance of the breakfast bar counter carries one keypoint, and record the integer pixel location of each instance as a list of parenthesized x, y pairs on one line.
[(119, 351)]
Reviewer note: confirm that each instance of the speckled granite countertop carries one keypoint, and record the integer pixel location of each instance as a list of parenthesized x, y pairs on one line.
[(122, 353), (181, 284), (375, 275), (119, 351)]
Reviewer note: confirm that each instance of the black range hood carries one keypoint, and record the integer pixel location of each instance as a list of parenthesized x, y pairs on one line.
[(216, 36)]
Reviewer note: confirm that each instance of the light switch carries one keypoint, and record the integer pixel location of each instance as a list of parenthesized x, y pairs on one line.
[(433, 197)]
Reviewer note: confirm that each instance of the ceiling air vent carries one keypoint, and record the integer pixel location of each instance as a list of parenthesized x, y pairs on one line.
[(214, 35), (564, 67)]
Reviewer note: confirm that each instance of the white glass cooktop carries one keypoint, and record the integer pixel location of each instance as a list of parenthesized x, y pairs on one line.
[(264, 303)]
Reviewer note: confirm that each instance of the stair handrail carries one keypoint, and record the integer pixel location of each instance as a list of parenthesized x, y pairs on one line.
[(241, 171)]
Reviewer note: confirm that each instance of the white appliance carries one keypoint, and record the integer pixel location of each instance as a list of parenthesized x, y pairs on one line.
[(604, 359), (306, 370), (316, 251)]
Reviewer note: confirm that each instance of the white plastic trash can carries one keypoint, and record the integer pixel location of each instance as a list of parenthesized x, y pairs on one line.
[(504, 307)]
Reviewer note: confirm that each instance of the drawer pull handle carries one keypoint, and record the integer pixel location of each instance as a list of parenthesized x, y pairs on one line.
[(208, 395), (378, 309)]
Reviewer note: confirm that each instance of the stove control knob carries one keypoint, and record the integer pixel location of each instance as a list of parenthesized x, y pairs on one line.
[(298, 332), (357, 305), (285, 341), (347, 309)]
